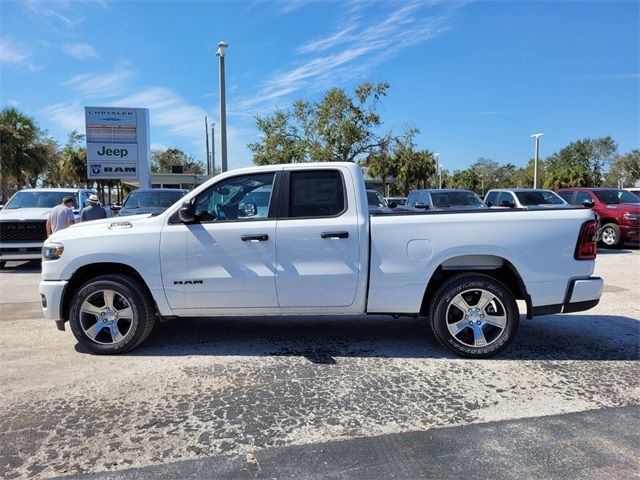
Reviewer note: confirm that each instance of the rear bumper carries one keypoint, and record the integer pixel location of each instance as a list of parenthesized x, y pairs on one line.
[(51, 293), (582, 294)]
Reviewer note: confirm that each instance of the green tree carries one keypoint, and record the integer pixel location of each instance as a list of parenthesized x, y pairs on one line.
[(413, 168), (523, 177), (465, 179), (74, 161), (338, 127), (625, 169), (163, 160), (19, 134), (573, 176), (485, 169), (585, 159)]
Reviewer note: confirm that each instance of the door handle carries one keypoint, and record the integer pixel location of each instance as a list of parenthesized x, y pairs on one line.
[(334, 235), (260, 237)]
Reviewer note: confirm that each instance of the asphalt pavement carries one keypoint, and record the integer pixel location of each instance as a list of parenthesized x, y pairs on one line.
[(306, 398)]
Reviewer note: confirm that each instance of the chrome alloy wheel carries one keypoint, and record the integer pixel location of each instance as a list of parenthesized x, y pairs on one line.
[(106, 317), (476, 318), (609, 236)]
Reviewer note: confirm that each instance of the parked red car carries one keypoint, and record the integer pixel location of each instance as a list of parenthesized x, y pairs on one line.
[(618, 211)]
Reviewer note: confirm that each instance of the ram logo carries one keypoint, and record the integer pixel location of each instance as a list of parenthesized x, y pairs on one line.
[(188, 282)]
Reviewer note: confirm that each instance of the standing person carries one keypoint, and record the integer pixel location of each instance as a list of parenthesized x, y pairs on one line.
[(93, 211), (61, 216)]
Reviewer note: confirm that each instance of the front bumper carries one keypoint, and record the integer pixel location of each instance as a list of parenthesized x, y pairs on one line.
[(51, 292), (20, 251), (630, 233), (582, 294)]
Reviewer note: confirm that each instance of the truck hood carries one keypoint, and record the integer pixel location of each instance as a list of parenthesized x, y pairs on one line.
[(101, 228), (24, 214), (626, 207)]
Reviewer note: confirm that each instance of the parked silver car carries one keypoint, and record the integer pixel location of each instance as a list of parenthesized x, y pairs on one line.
[(523, 198), (442, 199)]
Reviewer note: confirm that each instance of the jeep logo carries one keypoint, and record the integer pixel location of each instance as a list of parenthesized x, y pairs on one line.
[(113, 152)]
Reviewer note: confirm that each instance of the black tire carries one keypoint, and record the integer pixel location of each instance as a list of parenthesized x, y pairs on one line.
[(610, 235), (445, 317), (129, 296)]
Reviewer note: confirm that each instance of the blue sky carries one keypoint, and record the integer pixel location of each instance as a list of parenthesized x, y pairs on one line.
[(477, 78)]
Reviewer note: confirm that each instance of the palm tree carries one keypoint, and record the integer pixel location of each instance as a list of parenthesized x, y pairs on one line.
[(18, 156)]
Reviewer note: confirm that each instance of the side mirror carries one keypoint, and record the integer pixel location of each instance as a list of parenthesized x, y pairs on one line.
[(421, 205), (489, 204), (248, 210), (507, 203), (393, 204), (589, 203), (116, 207), (187, 213)]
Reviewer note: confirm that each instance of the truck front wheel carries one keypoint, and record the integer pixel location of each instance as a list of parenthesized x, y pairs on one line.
[(610, 235), (474, 315), (111, 314)]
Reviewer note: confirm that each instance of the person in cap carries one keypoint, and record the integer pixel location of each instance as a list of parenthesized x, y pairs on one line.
[(61, 216), (93, 211)]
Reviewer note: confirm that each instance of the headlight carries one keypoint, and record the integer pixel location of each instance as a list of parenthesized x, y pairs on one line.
[(634, 217), (52, 251)]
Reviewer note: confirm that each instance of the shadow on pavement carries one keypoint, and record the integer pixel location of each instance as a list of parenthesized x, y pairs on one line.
[(31, 266), (321, 340)]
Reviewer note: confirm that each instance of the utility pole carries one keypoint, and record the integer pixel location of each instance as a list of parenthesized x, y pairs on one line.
[(437, 171), (223, 107), (206, 133), (535, 161), (213, 149)]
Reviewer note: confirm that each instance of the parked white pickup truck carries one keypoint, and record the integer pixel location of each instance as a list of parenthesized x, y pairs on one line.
[(313, 249), (23, 220)]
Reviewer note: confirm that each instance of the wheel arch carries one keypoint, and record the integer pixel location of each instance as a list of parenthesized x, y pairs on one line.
[(495, 266), (86, 272)]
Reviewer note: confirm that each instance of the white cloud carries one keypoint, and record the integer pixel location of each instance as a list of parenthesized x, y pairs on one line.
[(350, 52), (101, 85), (60, 13), (68, 116), (168, 110), (17, 54), (81, 51)]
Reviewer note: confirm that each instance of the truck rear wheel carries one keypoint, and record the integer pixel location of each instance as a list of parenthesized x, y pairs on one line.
[(111, 314), (474, 315)]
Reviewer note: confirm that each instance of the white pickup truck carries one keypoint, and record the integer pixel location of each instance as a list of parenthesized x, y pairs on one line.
[(299, 240)]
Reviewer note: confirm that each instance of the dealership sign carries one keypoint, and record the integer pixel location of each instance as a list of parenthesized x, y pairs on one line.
[(118, 144)]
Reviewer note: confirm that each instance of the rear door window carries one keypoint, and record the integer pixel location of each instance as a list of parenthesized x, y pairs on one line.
[(316, 193)]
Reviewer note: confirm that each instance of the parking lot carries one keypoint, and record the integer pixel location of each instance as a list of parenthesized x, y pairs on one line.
[(355, 397)]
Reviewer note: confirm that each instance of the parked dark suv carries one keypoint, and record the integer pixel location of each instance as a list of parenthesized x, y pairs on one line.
[(618, 211)]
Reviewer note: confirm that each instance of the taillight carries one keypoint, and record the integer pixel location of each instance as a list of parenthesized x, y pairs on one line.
[(587, 241)]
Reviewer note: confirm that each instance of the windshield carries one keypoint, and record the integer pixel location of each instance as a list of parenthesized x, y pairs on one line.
[(42, 199), (152, 199), (614, 197), (374, 199), (455, 199), (539, 197)]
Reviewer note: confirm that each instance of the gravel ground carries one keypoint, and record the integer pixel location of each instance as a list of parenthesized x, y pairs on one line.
[(229, 388)]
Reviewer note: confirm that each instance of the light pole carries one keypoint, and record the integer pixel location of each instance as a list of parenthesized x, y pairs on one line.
[(223, 107), (440, 176), (436, 155), (535, 161)]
